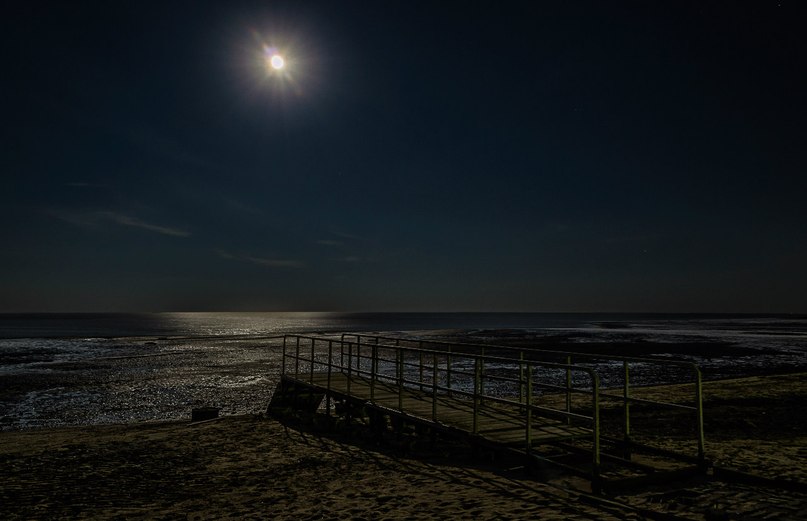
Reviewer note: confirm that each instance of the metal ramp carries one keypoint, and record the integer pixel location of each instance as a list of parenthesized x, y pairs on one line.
[(507, 403)]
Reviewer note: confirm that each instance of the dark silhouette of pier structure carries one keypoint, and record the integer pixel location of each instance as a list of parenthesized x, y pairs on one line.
[(546, 407)]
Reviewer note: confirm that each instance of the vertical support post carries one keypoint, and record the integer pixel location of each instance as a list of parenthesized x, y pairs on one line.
[(297, 359), (330, 369), (399, 370), (568, 390), (420, 364), (350, 356), (434, 387), (477, 387), (399, 359), (311, 380), (373, 371), (596, 482), (699, 407), (283, 362), (358, 360), (482, 374), (521, 377), (528, 404), (349, 365), (448, 370), (626, 409)]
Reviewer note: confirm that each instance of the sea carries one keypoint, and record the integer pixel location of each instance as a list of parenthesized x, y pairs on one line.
[(67, 369)]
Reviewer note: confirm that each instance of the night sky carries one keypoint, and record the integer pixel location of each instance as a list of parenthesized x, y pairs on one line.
[(469, 156)]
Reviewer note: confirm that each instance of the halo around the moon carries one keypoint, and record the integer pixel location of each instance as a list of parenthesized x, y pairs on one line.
[(277, 62)]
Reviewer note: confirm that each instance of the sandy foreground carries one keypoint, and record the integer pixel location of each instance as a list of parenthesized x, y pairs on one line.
[(257, 467)]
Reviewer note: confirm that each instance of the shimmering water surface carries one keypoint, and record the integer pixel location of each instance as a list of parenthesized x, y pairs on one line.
[(62, 369)]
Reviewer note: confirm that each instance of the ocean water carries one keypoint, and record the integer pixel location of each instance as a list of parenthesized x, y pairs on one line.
[(74, 369), (60, 325)]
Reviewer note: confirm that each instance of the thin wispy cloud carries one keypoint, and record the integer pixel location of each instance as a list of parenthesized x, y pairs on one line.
[(269, 262), (345, 235), (90, 220), (339, 239), (125, 220), (342, 246), (275, 263), (82, 220)]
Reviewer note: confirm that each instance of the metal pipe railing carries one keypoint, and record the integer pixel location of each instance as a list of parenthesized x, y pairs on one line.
[(412, 374), (402, 363), (354, 367), (481, 381), (570, 356)]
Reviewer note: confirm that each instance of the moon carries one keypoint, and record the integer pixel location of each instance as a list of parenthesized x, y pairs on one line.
[(277, 62)]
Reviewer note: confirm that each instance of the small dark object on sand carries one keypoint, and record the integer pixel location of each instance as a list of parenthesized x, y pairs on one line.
[(204, 413)]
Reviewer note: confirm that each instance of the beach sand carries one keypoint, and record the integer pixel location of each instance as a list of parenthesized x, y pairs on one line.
[(256, 467)]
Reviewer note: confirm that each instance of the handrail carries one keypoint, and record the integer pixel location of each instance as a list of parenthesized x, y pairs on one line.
[(492, 358), (626, 397), (436, 366), (663, 361)]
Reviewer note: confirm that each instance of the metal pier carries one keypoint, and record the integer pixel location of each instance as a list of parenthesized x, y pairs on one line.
[(507, 402)]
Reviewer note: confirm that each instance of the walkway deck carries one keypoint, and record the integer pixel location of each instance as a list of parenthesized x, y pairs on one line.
[(489, 400), (496, 423)]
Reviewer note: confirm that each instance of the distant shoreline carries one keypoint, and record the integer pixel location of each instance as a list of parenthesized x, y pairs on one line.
[(114, 325)]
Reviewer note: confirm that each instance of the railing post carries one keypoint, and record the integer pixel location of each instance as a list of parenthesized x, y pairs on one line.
[(350, 357), (626, 406), (482, 374), (373, 370), (434, 387), (477, 386), (399, 368), (420, 364), (699, 407), (330, 369), (528, 404), (568, 390), (297, 359), (596, 483), (313, 341), (448, 370), (399, 360), (358, 360), (349, 365), (521, 377), (283, 362)]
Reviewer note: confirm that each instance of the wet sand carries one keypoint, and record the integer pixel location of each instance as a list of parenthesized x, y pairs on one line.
[(250, 466)]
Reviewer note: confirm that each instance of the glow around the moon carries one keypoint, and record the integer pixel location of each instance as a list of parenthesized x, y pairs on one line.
[(273, 59), (277, 62)]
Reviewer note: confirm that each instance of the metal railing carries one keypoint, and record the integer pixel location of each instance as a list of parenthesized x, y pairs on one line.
[(483, 384), (574, 359)]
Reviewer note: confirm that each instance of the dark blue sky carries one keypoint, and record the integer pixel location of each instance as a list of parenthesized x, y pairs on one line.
[(492, 156)]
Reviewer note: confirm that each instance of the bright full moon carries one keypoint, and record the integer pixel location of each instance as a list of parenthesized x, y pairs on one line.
[(277, 62)]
